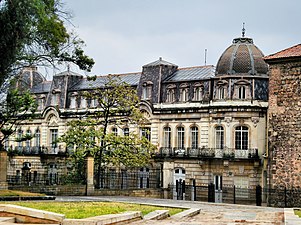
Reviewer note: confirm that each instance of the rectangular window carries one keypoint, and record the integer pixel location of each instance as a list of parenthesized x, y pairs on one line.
[(38, 138), (194, 138), (146, 132), (53, 137), (180, 140), (219, 137), (167, 137)]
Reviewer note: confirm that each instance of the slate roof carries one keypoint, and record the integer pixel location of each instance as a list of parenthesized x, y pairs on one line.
[(192, 73), (182, 74), (159, 63), (130, 78), (294, 51), (65, 73), (42, 87)]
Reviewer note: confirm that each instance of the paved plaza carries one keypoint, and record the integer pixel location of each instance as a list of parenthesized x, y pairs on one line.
[(211, 213)]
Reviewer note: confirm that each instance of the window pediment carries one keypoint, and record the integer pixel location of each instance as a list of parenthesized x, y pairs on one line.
[(242, 82)]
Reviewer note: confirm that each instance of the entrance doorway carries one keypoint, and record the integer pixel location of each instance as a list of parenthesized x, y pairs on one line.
[(179, 184), (218, 186)]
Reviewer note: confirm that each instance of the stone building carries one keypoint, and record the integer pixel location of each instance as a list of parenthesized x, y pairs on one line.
[(284, 117), (209, 123)]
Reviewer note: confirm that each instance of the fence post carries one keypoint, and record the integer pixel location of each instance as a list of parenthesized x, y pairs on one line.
[(234, 195), (194, 190), (258, 195), (285, 199), (211, 192)]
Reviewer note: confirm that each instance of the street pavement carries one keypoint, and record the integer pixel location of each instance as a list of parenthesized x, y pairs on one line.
[(211, 213)]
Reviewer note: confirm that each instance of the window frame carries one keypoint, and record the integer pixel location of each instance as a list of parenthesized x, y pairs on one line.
[(241, 140)]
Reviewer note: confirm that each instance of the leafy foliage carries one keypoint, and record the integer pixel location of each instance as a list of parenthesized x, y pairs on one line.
[(32, 32), (14, 110), (118, 106)]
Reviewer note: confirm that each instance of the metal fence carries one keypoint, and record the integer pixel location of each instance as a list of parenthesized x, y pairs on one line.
[(110, 179)]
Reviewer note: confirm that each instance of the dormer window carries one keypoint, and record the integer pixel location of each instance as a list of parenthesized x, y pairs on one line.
[(55, 97), (170, 93), (198, 92), (242, 90), (147, 90), (184, 91), (93, 103), (83, 102), (73, 100), (220, 93), (41, 102)]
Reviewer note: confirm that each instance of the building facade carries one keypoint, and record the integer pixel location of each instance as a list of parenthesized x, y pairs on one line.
[(209, 123)]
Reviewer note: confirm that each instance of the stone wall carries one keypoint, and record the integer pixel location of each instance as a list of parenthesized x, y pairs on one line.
[(285, 126)]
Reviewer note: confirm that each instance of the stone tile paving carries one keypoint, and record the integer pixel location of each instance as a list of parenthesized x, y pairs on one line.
[(211, 213)]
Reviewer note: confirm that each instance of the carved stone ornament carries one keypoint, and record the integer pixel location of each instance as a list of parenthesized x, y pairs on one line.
[(255, 121)]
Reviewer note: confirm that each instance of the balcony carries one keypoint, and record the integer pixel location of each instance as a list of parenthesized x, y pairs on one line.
[(206, 153), (35, 150)]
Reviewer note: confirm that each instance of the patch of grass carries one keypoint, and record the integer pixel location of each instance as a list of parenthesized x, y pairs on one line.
[(4, 193), (297, 212), (80, 210)]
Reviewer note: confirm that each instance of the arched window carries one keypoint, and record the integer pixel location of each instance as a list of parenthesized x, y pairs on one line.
[(38, 138), (28, 141), (167, 137), (147, 90), (19, 136), (184, 94), (83, 102), (219, 137), (198, 93), (146, 132), (241, 92), (170, 95), (194, 132), (181, 137), (73, 100), (241, 137)]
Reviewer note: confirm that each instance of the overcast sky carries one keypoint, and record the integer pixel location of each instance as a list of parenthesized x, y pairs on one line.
[(124, 35)]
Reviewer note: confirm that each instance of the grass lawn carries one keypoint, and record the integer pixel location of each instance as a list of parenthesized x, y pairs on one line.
[(79, 210), (297, 212), (18, 193)]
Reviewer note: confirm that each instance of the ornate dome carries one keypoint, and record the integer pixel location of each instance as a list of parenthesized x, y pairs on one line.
[(242, 57)]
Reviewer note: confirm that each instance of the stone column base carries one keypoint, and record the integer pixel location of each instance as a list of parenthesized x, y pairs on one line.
[(90, 190), (3, 185)]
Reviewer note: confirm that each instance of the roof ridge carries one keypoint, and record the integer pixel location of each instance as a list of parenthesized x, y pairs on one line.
[(191, 67), (114, 74)]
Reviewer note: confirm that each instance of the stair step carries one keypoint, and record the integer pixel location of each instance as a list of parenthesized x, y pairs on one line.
[(157, 215), (187, 213), (7, 219)]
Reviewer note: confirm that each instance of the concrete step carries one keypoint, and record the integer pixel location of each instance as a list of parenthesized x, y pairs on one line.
[(157, 215), (120, 218), (7, 219), (187, 213)]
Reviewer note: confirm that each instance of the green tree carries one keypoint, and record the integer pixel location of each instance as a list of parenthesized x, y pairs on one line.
[(16, 108), (118, 106), (33, 32)]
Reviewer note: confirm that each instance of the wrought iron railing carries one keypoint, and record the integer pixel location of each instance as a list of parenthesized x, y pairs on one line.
[(35, 150), (226, 153)]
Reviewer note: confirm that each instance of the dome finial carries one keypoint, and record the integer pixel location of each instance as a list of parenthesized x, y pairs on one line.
[(243, 30)]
